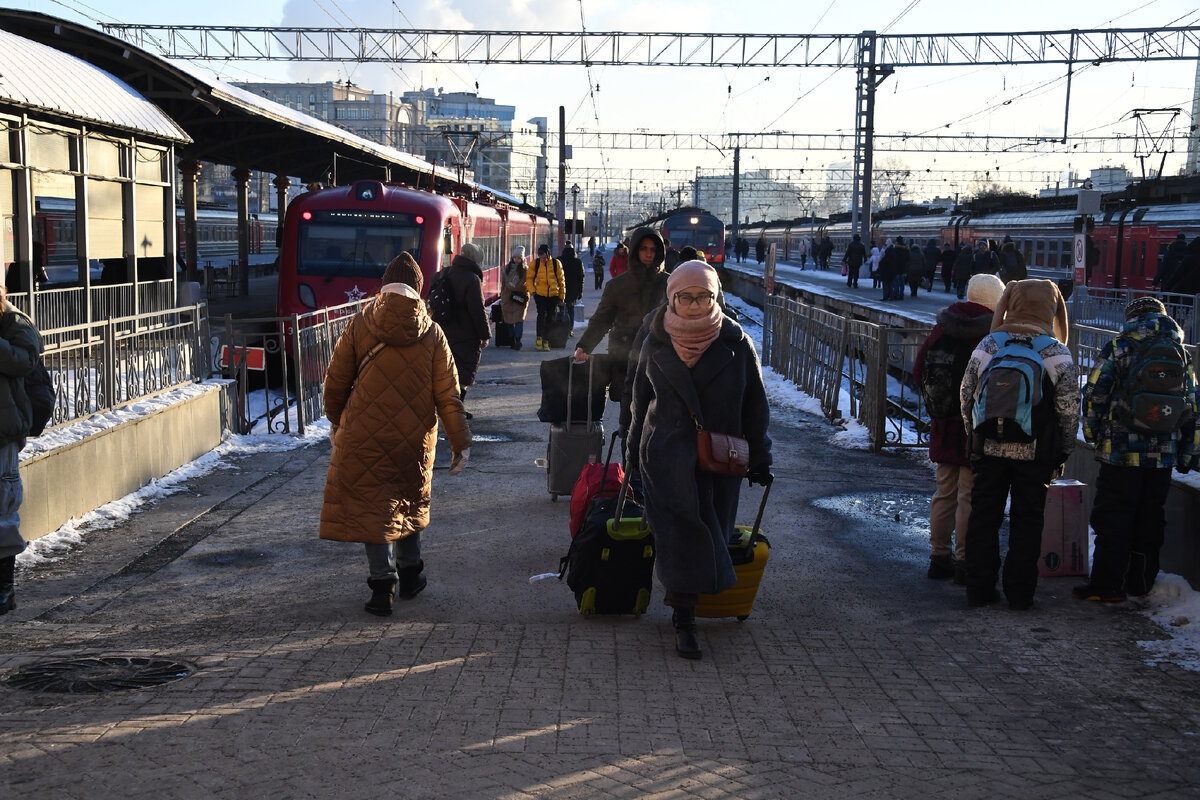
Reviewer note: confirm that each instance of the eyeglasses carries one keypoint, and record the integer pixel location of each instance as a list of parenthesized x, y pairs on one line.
[(703, 300)]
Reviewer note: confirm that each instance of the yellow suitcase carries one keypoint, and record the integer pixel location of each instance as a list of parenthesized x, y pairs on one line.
[(749, 550)]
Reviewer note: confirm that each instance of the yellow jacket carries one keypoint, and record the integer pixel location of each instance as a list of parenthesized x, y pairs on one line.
[(545, 277)]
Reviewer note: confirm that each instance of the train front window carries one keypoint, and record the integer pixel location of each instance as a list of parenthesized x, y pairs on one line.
[(354, 244), (700, 237)]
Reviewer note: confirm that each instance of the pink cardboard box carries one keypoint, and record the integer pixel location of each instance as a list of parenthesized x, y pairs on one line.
[(1065, 534)]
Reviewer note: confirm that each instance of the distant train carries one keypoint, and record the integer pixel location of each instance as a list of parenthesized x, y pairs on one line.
[(1127, 243), (695, 227), (336, 242), (54, 228)]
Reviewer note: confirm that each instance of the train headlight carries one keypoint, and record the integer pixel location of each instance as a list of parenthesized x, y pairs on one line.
[(694, 220), (307, 296)]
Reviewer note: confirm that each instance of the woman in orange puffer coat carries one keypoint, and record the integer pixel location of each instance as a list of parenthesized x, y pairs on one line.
[(390, 380)]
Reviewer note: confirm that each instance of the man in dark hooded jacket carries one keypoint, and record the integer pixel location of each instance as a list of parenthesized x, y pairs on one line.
[(1171, 261), (467, 329), (627, 298), (574, 275)]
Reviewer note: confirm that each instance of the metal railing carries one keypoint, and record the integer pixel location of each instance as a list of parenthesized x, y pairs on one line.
[(72, 307), (288, 381), (99, 366)]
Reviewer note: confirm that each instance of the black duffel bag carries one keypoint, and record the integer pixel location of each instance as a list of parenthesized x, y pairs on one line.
[(555, 373)]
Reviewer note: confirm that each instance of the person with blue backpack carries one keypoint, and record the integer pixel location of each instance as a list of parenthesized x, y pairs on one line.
[(1139, 410), (1020, 406)]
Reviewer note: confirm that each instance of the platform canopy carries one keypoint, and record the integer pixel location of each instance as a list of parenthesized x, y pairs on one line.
[(212, 120)]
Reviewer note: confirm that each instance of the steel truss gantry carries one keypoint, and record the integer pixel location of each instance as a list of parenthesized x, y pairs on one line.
[(873, 56), (818, 142), (620, 48)]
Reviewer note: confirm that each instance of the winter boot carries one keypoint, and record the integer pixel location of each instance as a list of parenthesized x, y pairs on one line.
[(8, 592), (686, 643), (412, 581), (383, 590), (940, 567)]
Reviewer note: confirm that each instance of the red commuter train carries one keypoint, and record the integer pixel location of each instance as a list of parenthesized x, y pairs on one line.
[(337, 242)]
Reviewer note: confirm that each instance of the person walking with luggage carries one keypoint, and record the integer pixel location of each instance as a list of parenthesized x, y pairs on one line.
[(1032, 316), (853, 259), (696, 363), (544, 282), (514, 299), (1139, 410), (938, 370), (625, 301), (467, 328), (20, 348), (390, 380), (572, 268)]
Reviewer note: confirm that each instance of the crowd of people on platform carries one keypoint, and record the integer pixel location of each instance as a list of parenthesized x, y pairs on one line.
[(396, 372), (1141, 424)]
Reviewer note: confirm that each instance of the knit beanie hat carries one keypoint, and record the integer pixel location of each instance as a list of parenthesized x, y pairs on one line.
[(1144, 305), (518, 252), (693, 273), (1031, 307), (403, 269), (985, 290), (472, 251)]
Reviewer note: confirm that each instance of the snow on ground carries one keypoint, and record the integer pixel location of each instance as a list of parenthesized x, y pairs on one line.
[(1173, 604)]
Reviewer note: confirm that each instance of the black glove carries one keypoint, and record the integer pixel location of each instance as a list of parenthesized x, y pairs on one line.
[(761, 475)]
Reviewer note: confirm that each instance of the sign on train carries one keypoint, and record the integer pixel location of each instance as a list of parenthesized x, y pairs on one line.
[(255, 357)]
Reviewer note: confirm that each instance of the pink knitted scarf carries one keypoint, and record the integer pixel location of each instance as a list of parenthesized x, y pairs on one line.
[(691, 337)]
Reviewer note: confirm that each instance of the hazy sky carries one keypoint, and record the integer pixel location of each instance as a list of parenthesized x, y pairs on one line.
[(1025, 101)]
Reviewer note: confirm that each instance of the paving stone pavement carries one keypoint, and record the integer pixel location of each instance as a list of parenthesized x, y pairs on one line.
[(854, 677)]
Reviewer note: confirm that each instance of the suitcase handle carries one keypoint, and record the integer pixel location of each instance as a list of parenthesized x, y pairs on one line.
[(608, 458), (570, 375), (621, 495), (762, 505)]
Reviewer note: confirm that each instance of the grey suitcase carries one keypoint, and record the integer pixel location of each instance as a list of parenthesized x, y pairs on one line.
[(573, 445)]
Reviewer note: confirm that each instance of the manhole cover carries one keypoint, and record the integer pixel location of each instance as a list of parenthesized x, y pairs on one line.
[(98, 674)]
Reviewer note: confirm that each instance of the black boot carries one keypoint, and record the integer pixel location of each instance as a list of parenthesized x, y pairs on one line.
[(383, 590), (8, 592), (412, 580), (686, 643)]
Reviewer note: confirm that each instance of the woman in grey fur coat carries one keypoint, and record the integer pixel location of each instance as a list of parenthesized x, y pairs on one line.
[(695, 359)]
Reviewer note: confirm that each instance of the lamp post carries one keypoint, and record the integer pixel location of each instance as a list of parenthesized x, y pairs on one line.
[(574, 216)]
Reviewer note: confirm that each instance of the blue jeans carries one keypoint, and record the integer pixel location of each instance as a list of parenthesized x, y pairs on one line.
[(11, 495), (384, 559)]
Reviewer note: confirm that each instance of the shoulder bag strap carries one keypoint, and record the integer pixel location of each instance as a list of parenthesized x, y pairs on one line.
[(367, 358)]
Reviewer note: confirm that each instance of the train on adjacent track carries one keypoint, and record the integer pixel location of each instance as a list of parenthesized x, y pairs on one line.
[(337, 242), (54, 228), (691, 226), (1127, 238)]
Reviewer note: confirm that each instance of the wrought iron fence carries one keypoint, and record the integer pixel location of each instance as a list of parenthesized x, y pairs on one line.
[(98, 366), (279, 364)]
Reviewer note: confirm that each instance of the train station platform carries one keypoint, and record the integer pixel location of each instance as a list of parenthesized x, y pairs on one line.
[(855, 676)]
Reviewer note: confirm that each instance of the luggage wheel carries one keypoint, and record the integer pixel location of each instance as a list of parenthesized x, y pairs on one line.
[(743, 618), (553, 497)]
